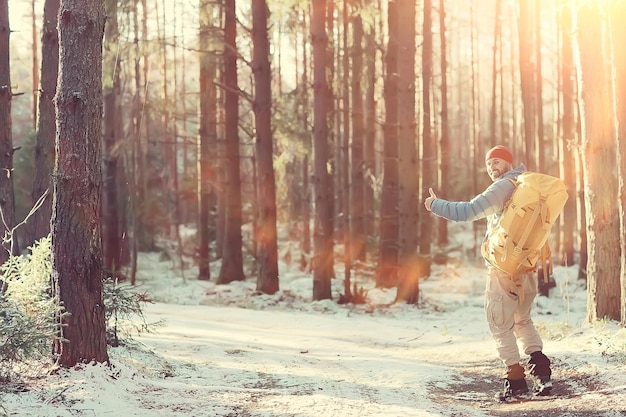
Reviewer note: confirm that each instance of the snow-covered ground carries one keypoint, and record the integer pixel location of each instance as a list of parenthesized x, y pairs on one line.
[(228, 351)]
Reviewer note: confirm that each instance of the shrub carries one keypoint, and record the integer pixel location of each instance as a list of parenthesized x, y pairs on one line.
[(122, 305), (29, 316)]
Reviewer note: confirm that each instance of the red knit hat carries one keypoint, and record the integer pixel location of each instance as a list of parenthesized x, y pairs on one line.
[(501, 152)]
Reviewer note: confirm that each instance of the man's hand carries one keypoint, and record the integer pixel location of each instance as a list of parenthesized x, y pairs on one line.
[(429, 200)]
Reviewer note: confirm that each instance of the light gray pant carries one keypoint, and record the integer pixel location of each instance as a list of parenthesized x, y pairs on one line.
[(508, 314)]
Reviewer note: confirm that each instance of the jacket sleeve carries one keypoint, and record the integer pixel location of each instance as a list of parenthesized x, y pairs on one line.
[(489, 202)]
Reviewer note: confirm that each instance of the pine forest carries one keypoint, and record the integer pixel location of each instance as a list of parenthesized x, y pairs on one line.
[(307, 132)]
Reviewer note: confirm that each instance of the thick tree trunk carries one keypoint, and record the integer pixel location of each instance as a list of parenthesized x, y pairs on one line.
[(387, 270), (408, 190), (232, 256), (429, 145), (599, 148), (267, 254), (322, 233), (76, 251), (207, 134), (527, 80)]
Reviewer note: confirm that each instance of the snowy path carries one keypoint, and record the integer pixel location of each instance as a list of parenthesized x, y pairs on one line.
[(398, 361), (301, 364)]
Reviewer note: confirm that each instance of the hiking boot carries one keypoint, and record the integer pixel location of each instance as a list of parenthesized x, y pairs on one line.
[(542, 385), (513, 388), (539, 365)]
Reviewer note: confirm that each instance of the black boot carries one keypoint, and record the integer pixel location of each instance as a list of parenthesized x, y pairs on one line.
[(513, 388), (540, 370)]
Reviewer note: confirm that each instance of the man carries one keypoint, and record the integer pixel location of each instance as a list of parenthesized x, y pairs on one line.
[(507, 311)]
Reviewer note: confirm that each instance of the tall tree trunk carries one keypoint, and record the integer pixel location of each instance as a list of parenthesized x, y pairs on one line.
[(618, 31), (220, 144), (111, 240), (232, 256), (475, 138), (539, 144), (496, 73), (77, 272), (207, 133), (343, 167), (171, 153), (7, 195), (429, 145), (357, 212), (322, 234), (267, 280), (387, 271), (134, 162), (371, 127), (567, 151), (599, 147), (444, 142), (408, 190), (527, 80), (46, 122), (305, 203), (35, 66)]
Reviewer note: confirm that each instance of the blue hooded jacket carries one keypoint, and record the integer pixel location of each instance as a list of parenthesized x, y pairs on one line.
[(490, 203)]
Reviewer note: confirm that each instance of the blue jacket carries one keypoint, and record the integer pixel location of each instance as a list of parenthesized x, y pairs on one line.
[(490, 203)]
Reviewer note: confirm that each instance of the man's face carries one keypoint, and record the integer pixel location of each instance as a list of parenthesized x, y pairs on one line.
[(496, 167)]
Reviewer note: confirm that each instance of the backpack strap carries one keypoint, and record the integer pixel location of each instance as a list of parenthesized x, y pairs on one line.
[(544, 262), (507, 242), (539, 210)]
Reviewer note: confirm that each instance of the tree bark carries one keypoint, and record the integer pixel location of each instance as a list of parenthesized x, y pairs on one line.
[(387, 270), (527, 80), (618, 32), (232, 256), (444, 142), (496, 73), (371, 127), (539, 143), (408, 189), (35, 62), (267, 253), (599, 148), (357, 212), (567, 151), (322, 233), (111, 239), (46, 122), (7, 196), (76, 252), (207, 134)]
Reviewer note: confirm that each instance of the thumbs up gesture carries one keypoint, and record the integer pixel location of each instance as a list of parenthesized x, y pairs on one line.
[(428, 202)]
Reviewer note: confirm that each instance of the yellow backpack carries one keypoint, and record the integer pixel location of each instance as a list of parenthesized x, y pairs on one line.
[(520, 240)]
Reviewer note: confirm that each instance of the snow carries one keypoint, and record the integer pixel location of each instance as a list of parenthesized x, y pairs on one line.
[(229, 351)]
